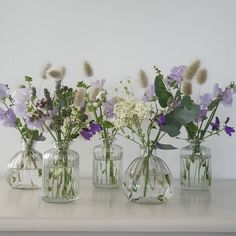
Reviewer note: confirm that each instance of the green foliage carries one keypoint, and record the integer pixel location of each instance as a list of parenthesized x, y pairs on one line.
[(107, 124), (161, 92), (191, 129), (165, 146)]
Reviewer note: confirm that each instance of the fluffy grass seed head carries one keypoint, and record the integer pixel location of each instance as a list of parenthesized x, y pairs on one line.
[(88, 70), (44, 73), (201, 76), (187, 88), (191, 70), (143, 79), (57, 74)]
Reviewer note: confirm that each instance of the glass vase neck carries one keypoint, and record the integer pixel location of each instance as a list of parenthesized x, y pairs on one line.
[(62, 144), (146, 151), (27, 144), (195, 142)]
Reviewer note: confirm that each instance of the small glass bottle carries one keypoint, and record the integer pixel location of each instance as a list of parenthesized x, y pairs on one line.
[(195, 166), (24, 171), (107, 165), (60, 174), (148, 179)]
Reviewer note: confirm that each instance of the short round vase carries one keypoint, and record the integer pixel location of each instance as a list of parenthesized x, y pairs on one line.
[(147, 180), (24, 171)]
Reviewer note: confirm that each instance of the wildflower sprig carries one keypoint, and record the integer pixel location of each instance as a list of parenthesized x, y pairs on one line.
[(18, 110)]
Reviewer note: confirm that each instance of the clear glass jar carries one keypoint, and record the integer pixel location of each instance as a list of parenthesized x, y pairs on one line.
[(60, 174), (195, 166), (148, 179), (24, 171), (107, 165)]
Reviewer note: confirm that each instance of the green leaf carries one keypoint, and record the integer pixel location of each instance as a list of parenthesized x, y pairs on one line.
[(107, 124), (165, 146), (185, 116), (187, 102), (161, 92), (172, 126), (191, 129)]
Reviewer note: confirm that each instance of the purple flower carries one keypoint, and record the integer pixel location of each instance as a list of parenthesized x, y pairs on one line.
[(216, 125), (86, 133), (109, 107), (94, 128), (21, 95), (3, 91), (149, 93), (205, 100), (202, 115), (217, 91), (227, 98), (229, 130), (161, 120), (35, 123), (20, 110), (177, 73), (9, 119)]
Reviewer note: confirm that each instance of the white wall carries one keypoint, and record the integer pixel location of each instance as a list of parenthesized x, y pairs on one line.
[(118, 38)]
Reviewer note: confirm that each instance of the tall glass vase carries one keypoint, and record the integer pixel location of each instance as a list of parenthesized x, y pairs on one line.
[(60, 174), (148, 179), (107, 165), (195, 166), (24, 171)]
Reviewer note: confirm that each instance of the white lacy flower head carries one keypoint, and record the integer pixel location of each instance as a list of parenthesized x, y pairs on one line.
[(126, 111)]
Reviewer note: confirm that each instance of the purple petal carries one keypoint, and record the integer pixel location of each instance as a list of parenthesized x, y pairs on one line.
[(109, 107), (20, 110), (2, 114), (177, 73), (216, 125), (161, 120), (10, 118), (217, 90), (35, 123), (229, 130), (94, 128), (21, 95), (149, 93), (205, 100), (86, 134), (202, 115), (227, 98)]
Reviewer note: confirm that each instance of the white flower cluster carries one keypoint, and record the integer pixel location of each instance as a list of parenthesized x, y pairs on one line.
[(126, 111)]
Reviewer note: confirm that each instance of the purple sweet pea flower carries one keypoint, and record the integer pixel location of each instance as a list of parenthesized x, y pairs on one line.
[(10, 118), (161, 120), (94, 128), (35, 123), (202, 115), (205, 100), (109, 107), (229, 130), (216, 125), (177, 73), (21, 95), (86, 133), (217, 91), (20, 110), (149, 93), (3, 91), (227, 98)]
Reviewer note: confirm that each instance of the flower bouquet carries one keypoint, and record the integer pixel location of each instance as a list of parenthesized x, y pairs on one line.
[(24, 171)]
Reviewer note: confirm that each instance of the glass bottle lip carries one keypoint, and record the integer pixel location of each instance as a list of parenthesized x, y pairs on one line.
[(62, 143), (27, 143)]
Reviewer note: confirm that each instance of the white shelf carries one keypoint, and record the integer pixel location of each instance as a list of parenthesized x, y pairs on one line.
[(100, 210)]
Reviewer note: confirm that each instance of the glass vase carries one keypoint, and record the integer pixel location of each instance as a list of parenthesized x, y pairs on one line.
[(195, 166), (24, 171), (148, 179), (107, 165), (60, 174)]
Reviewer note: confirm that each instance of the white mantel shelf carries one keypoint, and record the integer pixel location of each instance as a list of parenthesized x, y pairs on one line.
[(101, 210)]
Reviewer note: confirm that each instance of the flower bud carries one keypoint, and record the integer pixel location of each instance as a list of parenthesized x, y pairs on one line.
[(79, 99)]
